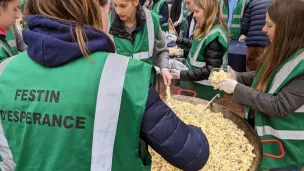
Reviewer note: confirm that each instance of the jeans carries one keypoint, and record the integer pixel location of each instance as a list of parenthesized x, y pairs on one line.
[(295, 169)]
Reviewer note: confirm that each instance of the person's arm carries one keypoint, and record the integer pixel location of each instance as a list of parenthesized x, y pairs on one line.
[(213, 57), (161, 53), (245, 78), (288, 100), (183, 146), (186, 43), (164, 10)]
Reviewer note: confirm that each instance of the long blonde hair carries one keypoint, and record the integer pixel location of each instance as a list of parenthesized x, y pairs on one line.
[(79, 12), (212, 15), (288, 37)]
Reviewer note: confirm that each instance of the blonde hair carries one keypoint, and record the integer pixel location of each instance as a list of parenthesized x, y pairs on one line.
[(79, 12), (212, 15)]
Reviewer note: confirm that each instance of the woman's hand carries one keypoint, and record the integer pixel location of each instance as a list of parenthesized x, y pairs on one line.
[(171, 37), (227, 85), (166, 76)]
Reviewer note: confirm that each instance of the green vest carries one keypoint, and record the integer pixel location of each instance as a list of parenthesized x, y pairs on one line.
[(6, 50), (156, 8), (83, 116), (237, 17), (195, 60), (143, 47), (184, 24), (11, 39), (289, 130)]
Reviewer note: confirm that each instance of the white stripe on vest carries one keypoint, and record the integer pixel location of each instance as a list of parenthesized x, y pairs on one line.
[(285, 72), (278, 80), (150, 26), (281, 134), (107, 111), (193, 60), (12, 43), (5, 48), (235, 16), (235, 25), (8, 163), (150, 29)]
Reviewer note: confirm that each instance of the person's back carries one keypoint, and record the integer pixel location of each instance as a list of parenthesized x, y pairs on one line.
[(252, 25), (65, 101), (68, 112), (47, 107)]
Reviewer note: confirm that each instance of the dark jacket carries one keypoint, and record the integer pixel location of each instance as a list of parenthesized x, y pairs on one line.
[(142, 2), (118, 29), (164, 11), (160, 51), (253, 23), (187, 41), (288, 100), (213, 56), (182, 145), (189, 19), (175, 10)]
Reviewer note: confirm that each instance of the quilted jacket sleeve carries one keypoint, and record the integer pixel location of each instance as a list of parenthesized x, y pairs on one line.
[(184, 146), (213, 57)]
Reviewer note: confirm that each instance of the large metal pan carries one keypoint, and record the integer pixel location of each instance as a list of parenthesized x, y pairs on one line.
[(250, 134)]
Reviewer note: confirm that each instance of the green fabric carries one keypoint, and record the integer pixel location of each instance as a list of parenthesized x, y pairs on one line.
[(156, 7), (184, 24), (206, 91), (294, 148), (237, 17), (22, 2), (6, 51), (47, 146), (11, 40), (215, 33), (141, 44), (202, 91)]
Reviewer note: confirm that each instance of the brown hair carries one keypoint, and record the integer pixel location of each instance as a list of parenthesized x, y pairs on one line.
[(288, 37), (212, 15), (79, 12)]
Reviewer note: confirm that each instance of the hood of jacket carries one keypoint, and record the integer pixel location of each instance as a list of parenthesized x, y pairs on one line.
[(52, 43)]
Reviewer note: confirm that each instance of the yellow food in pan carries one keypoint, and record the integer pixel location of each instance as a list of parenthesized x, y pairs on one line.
[(230, 150)]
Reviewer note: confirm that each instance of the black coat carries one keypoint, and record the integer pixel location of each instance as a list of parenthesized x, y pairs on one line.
[(213, 56), (175, 10)]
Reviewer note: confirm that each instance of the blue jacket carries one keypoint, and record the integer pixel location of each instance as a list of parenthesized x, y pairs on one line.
[(164, 11), (182, 145), (253, 23)]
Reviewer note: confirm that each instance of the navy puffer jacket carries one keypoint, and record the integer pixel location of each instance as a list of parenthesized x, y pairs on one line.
[(184, 146), (253, 23)]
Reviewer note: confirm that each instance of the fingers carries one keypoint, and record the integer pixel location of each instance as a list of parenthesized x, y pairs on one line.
[(220, 86), (169, 80), (230, 70), (165, 80)]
